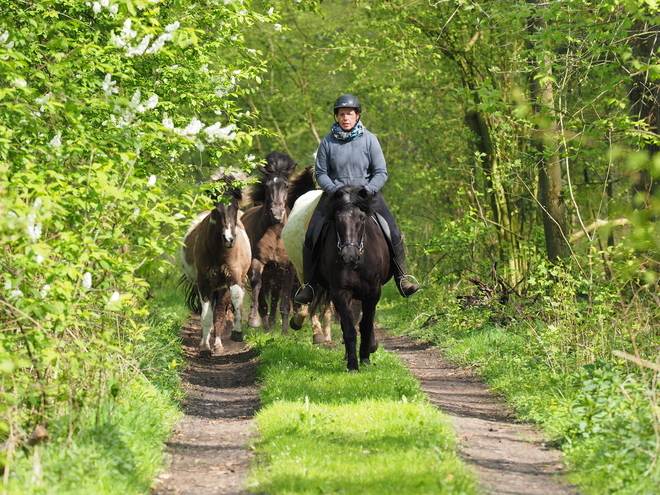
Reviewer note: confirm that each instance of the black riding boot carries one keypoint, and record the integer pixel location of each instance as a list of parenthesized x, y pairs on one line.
[(305, 294), (405, 286)]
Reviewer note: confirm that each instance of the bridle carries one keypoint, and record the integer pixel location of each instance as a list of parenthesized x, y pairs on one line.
[(360, 247)]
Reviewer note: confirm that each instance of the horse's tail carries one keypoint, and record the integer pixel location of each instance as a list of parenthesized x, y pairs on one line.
[(322, 298), (190, 294), (300, 184)]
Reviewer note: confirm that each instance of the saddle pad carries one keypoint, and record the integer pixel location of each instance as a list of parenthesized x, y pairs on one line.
[(293, 233)]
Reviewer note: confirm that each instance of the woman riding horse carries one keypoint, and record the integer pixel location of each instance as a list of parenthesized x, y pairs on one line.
[(351, 155)]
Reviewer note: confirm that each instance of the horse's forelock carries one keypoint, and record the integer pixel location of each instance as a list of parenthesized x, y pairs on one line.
[(278, 162), (351, 196)]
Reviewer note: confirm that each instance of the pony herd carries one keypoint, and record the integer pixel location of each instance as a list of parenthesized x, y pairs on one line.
[(225, 248)]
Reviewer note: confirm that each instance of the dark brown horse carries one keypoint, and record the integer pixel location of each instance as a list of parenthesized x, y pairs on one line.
[(271, 272), (215, 257), (354, 264)]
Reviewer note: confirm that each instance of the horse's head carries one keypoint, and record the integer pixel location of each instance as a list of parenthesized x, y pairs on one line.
[(224, 217), (276, 183), (350, 207)]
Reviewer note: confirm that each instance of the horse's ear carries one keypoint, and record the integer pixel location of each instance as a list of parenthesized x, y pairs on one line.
[(291, 168), (262, 169)]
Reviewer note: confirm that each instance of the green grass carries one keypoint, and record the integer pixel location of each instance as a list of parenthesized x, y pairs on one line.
[(115, 443), (323, 430), (601, 414)]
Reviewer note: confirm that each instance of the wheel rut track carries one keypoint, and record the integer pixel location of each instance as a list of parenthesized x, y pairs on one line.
[(209, 452)]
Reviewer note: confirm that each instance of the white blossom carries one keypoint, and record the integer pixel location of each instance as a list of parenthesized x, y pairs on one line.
[(193, 128), (16, 294), (168, 123), (96, 7), (43, 99), (4, 37), (114, 8), (87, 280), (159, 43), (278, 27), (271, 10), (114, 297), (45, 290), (34, 231), (152, 181), (216, 131), (37, 204), (56, 142), (151, 102), (108, 85), (136, 211), (7, 284), (170, 28), (131, 51), (39, 259), (19, 82)]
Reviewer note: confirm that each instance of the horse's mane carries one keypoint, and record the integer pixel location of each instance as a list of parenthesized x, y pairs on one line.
[(229, 177), (351, 196), (303, 182), (276, 163)]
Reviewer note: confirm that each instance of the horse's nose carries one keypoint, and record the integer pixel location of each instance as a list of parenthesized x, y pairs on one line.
[(277, 215), (350, 258)]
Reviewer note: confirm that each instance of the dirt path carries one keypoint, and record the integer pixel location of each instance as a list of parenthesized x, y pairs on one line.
[(209, 455), (208, 452), (508, 457)]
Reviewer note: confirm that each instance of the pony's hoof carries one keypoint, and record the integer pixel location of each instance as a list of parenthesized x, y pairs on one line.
[(319, 338), (366, 362), (350, 370), (254, 322), (373, 348), (236, 336), (294, 325), (205, 353)]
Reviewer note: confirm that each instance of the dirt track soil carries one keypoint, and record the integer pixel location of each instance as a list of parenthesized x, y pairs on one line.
[(209, 451)]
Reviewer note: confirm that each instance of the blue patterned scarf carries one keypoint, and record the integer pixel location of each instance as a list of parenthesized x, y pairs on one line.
[(343, 135)]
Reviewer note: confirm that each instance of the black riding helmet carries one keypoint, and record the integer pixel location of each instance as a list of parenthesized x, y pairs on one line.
[(348, 101)]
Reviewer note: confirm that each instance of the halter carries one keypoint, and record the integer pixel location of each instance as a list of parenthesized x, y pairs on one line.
[(360, 247)]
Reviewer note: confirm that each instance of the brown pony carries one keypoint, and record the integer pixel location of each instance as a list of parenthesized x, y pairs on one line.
[(271, 272), (215, 257)]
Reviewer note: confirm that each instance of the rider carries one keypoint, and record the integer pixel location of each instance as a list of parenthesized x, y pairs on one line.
[(351, 155)]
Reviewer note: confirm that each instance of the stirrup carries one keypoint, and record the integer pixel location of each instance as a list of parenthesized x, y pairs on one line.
[(406, 277), (299, 293)]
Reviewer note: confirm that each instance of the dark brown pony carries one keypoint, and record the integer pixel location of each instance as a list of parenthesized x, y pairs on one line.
[(271, 272), (215, 257), (354, 264)]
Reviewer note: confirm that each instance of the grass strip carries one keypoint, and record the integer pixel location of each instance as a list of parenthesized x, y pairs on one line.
[(323, 430)]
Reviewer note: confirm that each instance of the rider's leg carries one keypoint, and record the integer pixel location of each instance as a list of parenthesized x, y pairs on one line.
[(305, 293), (399, 264)]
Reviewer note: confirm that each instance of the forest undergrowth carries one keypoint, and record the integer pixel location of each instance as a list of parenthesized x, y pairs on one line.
[(580, 362)]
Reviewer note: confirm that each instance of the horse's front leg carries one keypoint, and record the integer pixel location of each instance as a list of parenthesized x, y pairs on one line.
[(367, 339), (206, 320), (256, 272), (343, 307), (285, 301), (237, 293)]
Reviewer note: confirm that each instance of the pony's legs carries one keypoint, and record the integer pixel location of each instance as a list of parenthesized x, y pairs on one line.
[(206, 320), (367, 338), (343, 306), (256, 271), (237, 294), (285, 301)]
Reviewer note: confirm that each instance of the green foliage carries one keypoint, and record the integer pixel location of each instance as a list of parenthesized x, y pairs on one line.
[(110, 113), (324, 430)]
